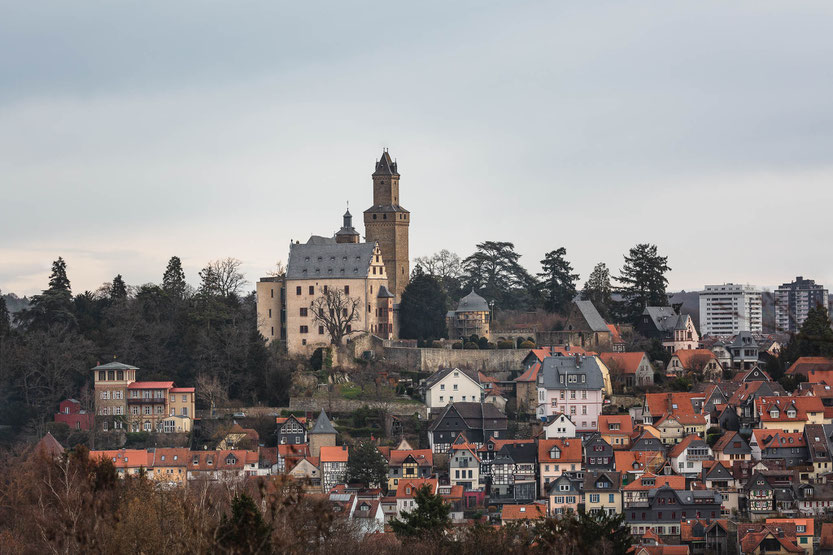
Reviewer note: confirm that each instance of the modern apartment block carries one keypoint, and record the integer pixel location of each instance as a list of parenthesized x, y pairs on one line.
[(729, 309), (794, 300)]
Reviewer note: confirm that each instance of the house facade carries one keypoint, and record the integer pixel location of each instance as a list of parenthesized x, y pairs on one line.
[(573, 386)]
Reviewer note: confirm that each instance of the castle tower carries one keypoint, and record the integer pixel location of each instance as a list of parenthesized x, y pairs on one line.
[(347, 233), (387, 222), (322, 435)]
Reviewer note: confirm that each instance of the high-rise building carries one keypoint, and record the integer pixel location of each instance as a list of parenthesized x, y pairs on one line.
[(729, 309), (794, 300), (386, 222)]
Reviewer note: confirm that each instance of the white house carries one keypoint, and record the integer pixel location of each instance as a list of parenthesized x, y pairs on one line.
[(452, 385), (687, 456), (558, 426), (464, 466)]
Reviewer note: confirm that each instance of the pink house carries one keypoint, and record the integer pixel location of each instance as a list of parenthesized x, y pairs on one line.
[(573, 386), (70, 413)]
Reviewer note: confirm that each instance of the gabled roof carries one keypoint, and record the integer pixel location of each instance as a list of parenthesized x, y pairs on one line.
[(592, 316), (334, 453), (804, 366), (671, 403), (627, 363), (776, 439), (716, 470), (422, 457), (696, 530), (48, 447), (518, 452), (150, 385), (594, 477), (750, 536), (554, 368), (802, 406), (323, 425), (531, 373), (688, 357), (438, 376), (407, 489), (732, 443), (692, 440), (672, 481), (474, 415), (570, 450), (335, 260), (664, 318)]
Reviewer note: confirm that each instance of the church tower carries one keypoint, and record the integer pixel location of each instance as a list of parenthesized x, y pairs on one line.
[(387, 222)]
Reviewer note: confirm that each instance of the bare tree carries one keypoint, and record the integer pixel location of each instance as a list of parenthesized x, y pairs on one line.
[(444, 265), (336, 311), (222, 277), (278, 271), (211, 391)]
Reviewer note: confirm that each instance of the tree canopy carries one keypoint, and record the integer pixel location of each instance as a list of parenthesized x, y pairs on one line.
[(815, 338), (427, 521), (558, 283), (495, 271), (598, 290), (422, 308), (643, 280), (367, 466)]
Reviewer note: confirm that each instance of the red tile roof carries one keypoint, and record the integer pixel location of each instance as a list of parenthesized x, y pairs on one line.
[(531, 374), (804, 365), (408, 488), (219, 459), (523, 512), (689, 356), (182, 390), (336, 453), (802, 405), (570, 450), (125, 458), (671, 480), (808, 523), (678, 448), (777, 438), (151, 385), (628, 363), (624, 420), (423, 457)]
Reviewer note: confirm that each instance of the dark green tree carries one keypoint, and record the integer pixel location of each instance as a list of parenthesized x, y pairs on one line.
[(367, 466), (598, 289), (582, 532), (173, 281), (814, 339), (428, 521), (53, 305), (244, 531), (558, 283), (643, 281), (118, 289), (423, 308), (5, 319), (494, 270)]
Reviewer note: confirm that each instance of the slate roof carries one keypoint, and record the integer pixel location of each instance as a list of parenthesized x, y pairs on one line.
[(555, 367), (665, 319), (322, 425), (592, 316), (473, 415), (593, 477), (331, 260), (431, 380), (114, 366), (385, 165), (518, 452), (732, 443), (472, 303)]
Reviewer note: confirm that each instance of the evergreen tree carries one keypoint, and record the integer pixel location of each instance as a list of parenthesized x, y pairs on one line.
[(598, 289), (367, 466), (815, 338), (5, 319), (423, 308), (558, 283), (428, 521), (118, 289), (643, 280), (495, 271), (244, 531), (53, 305), (173, 281)]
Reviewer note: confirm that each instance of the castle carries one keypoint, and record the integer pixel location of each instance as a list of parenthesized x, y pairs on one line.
[(358, 283)]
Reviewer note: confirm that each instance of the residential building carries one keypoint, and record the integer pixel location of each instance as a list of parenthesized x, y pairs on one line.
[(406, 464), (804, 530), (675, 330), (471, 317), (487, 453), (667, 507), (705, 536), (513, 474), (598, 453), (451, 385), (222, 465), (564, 495), (292, 430), (744, 351), (406, 493), (687, 456), (793, 301), (815, 369), (732, 447), (168, 466), (555, 457), (761, 538), (698, 361), (628, 369), (729, 309), (476, 421), (635, 494), (718, 476), (333, 465), (573, 386), (616, 430), (110, 383), (71, 414), (519, 513), (584, 328), (602, 491), (775, 444), (789, 414), (464, 466), (559, 425)]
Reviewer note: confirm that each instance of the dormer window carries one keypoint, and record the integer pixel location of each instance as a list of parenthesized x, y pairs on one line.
[(790, 413), (773, 413), (555, 453)]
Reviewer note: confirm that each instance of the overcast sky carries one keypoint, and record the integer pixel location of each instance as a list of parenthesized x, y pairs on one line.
[(133, 131)]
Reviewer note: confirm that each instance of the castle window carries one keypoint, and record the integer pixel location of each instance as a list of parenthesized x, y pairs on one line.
[(384, 216), (303, 312), (346, 289), (304, 329), (298, 290), (320, 330), (311, 290), (374, 216)]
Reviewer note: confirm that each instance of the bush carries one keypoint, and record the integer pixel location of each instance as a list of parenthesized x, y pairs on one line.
[(491, 345), (527, 345), (472, 346), (483, 343), (136, 438), (505, 344), (457, 345), (349, 391)]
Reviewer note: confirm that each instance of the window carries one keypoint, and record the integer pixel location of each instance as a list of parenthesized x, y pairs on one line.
[(304, 312), (298, 290), (304, 329), (312, 290), (320, 330), (594, 497), (346, 289)]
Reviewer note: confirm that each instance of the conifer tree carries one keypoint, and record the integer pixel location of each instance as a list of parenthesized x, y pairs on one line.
[(598, 289), (427, 521), (558, 283), (173, 281), (367, 466), (54, 305), (643, 280), (423, 308), (118, 289), (5, 319)]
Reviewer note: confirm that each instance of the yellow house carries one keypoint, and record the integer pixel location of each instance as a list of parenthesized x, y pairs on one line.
[(603, 492), (168, 466), (789, 414)]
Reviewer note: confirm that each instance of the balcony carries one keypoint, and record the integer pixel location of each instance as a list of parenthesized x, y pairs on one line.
[(146, 401)]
